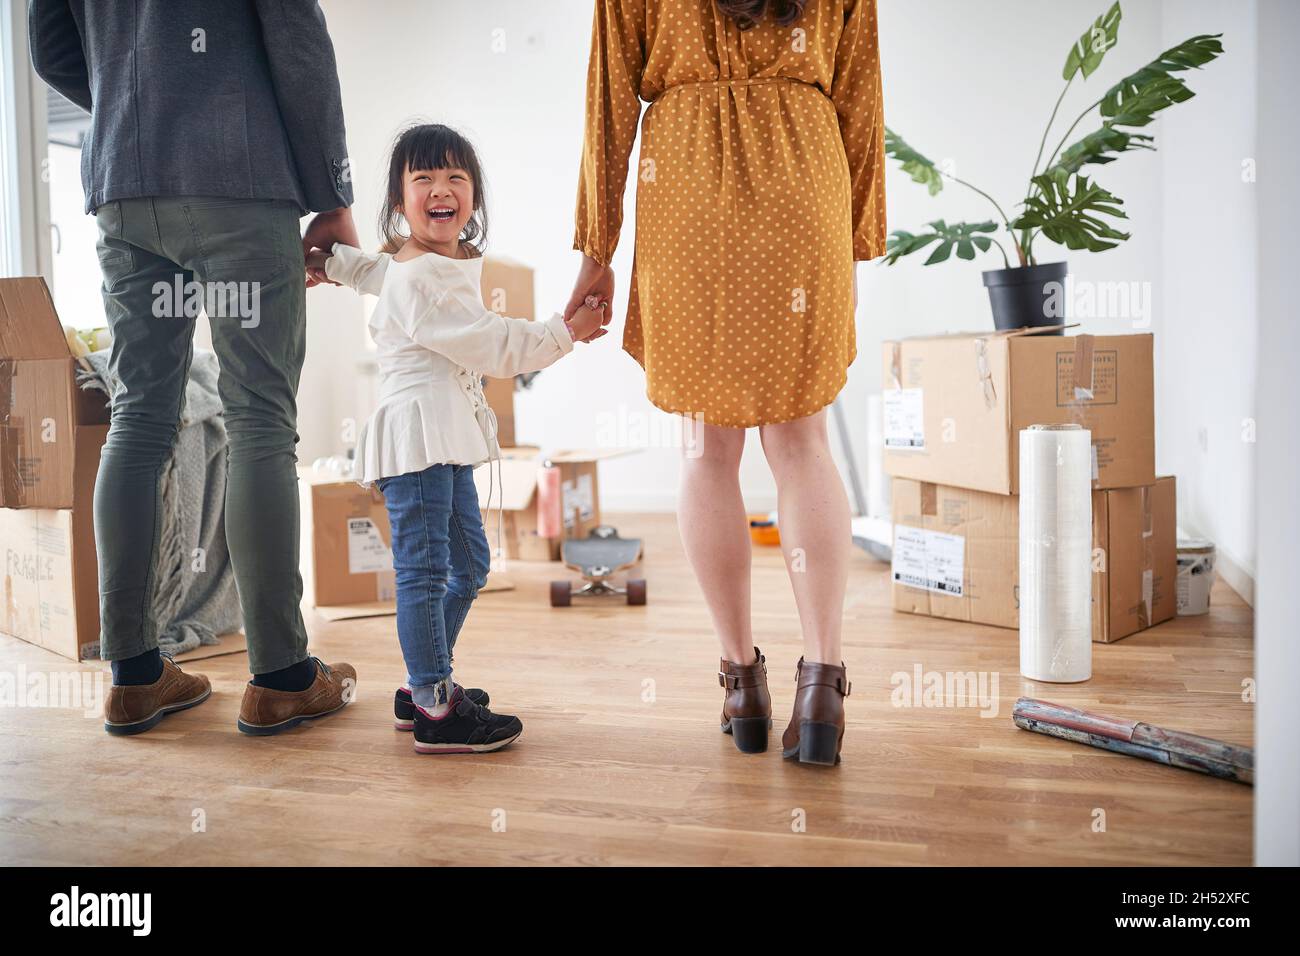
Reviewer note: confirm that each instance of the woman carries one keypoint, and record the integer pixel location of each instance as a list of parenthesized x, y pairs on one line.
[(760, 184)]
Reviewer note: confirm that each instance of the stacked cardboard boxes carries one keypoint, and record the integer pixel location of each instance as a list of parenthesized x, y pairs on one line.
[(954, 407)]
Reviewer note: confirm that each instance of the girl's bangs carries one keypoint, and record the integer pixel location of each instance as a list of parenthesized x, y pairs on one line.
[(437, 147)]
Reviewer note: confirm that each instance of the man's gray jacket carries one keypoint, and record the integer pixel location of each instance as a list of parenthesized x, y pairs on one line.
[(228, 98)]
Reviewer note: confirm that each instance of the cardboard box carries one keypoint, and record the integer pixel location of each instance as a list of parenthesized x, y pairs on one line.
[(50, 584), (955, 405), (347, 557), (959, 549), (579, 492), (1135, 559), (41, 408), (508, 290)]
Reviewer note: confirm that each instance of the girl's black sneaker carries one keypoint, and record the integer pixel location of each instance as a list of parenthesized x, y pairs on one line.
[(404, 707), (468, 728)]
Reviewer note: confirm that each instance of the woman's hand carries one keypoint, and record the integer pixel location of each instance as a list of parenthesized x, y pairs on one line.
[(597, 281)]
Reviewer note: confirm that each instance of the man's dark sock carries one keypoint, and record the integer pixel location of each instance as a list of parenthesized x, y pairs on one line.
[(142, 669), (295, 677)]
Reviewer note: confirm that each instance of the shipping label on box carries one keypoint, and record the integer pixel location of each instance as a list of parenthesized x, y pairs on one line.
[(367, 549), (930, 560), (904, 426)]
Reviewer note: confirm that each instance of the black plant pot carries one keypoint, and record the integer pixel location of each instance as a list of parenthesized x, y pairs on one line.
[(1029, 296)]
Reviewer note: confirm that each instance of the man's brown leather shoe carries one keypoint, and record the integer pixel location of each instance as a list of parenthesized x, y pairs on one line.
[(747, 708), (135, 708), (267, 711), (816, 730)]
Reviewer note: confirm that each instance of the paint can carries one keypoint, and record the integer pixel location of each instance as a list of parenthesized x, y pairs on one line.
[(1195, 575)]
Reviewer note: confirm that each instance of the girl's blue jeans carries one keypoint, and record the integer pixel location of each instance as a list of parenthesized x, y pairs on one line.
[(441, 557)]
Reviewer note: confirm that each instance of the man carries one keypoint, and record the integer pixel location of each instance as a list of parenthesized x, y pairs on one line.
[(214, 127)]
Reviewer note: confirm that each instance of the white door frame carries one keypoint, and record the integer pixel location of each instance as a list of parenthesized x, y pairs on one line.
[(24, 178)]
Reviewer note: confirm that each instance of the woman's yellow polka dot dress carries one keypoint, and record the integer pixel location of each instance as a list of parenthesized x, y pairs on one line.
[(760, 182)]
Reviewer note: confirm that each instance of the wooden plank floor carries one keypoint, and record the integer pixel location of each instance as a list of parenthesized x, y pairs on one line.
[(621, 761)]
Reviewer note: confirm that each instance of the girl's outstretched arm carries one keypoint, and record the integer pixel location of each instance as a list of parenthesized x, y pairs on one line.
[(455, 323), (360, 270)]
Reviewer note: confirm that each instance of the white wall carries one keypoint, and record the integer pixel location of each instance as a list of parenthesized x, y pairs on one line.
[(1207, 322), (522, 107), (1277, 661)]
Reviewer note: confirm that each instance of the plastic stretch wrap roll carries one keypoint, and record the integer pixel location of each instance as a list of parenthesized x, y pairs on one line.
[(1056, 553)]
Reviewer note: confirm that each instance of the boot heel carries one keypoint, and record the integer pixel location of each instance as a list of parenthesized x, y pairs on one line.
[(819, 743), (750, 733)]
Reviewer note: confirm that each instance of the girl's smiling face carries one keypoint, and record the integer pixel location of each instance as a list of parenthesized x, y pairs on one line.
[(436, 204)]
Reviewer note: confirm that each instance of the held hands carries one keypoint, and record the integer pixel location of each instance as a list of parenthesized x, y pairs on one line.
[(596, 281), (588, 321), (325, 229), (316, 260)]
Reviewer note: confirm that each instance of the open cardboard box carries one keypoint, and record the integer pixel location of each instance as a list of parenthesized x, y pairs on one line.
[(519, 500), (346, 549), (42, 411)]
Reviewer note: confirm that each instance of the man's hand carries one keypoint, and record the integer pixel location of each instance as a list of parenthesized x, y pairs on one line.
[(597, 281), (325, 229), (316, 260)]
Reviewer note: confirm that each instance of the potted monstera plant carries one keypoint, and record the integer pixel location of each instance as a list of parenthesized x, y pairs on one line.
[(1061, 204)]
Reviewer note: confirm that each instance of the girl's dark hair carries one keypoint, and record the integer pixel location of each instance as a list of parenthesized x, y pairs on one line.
[(746, 13), (432, 146)]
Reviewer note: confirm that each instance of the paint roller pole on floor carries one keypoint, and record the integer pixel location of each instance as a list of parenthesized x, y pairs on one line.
[(1171, 747)]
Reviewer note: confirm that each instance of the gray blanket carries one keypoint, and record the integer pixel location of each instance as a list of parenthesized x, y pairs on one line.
[(195, 598)]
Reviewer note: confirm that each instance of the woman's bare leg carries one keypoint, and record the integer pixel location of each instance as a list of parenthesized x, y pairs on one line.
[(815, 522), (715, 533)]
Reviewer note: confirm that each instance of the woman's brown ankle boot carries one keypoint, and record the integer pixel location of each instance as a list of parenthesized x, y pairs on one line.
[(747, 708), (816, 729)]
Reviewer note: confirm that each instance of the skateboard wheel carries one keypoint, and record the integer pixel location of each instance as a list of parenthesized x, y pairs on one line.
[(636, 590), (561, 594)]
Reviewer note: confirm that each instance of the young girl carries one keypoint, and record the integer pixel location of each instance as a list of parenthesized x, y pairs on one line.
[(433, 425)]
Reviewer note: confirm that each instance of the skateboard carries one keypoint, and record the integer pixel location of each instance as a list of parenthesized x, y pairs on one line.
[(598, 557)]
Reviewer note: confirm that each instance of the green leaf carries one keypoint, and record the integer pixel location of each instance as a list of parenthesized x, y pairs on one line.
[(960, 236), (1088, 50), (1067, 211), (1098, 147), (921, 169), (1135, 99)]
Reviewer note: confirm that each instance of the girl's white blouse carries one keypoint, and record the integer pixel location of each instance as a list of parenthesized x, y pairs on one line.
[(435, 341)]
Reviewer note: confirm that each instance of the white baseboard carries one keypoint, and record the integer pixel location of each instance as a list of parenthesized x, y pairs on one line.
[(1233, 574)]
